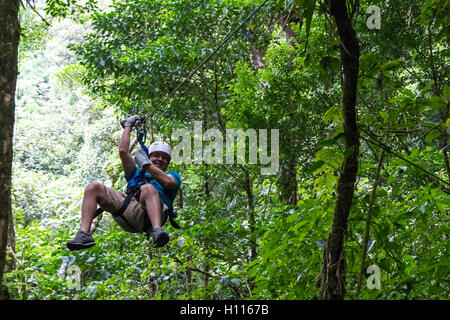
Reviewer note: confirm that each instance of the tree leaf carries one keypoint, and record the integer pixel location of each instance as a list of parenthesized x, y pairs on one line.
[(433, 134), (446, 93), (384, 115), (316, 165), (349, 151)]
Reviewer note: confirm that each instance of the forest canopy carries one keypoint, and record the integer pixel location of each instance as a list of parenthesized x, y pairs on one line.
[(348, 100)]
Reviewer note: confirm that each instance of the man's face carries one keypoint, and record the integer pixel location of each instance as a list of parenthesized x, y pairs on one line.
[(160, 159)]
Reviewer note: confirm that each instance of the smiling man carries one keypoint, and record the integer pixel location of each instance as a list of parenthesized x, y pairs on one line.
[(153, 189)]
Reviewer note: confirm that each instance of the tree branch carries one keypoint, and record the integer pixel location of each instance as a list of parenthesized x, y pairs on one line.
[(35, 11)]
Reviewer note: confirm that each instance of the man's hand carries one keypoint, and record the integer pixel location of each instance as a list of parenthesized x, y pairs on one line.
[(129, 122), (141, 158)]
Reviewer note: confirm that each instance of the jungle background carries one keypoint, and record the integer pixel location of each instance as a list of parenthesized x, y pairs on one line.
[(246, 235)]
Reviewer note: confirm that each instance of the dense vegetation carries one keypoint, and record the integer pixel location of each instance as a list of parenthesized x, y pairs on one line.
[(246, 235)]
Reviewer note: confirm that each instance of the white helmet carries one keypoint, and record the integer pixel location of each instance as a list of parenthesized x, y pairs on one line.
[(160, 146)]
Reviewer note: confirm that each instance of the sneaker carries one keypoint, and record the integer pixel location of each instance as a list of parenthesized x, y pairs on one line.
[(82, 240), (160, 237)]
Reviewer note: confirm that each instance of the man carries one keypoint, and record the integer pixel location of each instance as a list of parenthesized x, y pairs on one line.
[(148, 207)]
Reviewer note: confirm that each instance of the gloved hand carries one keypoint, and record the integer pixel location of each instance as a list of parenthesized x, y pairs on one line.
[(141, 158), (129, 122)]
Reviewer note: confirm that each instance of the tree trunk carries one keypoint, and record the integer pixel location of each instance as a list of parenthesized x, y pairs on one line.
[(287, 181), (187, 284), (334, 266), (206, 245), (11, 245), (152, 283), (251, 217), (291, 37), (253, 243), (287, 177), (207, 189), (444, 116), (9, 42), (257, 58)]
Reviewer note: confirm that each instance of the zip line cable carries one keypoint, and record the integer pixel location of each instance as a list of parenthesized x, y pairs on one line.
[(387, 149), (220, 46), (224, 41)]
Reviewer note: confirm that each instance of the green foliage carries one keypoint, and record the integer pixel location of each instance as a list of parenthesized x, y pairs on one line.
[(32, 33), (291, 252), (60, 8), (239, 241), (37, 263)]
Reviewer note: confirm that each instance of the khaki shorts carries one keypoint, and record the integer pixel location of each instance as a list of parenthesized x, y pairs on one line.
[(135, 213)]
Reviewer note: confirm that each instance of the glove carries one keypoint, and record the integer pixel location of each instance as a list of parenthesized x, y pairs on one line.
[(141, 158), (129, 122)]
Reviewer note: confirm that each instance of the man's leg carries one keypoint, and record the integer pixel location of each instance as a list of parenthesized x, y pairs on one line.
[(153, 207), (93, 193), (152, 204)]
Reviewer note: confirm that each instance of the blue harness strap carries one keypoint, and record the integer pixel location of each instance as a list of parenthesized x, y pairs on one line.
[(141, 136)]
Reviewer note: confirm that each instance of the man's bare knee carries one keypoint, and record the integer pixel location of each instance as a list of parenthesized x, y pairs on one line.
[(148, 190), (95, 189)]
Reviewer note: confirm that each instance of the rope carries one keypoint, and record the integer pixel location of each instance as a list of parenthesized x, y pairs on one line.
[(224, 41), (387, 149)]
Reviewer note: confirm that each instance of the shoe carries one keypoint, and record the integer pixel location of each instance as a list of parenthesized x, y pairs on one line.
[(82, 240), (160, 237)]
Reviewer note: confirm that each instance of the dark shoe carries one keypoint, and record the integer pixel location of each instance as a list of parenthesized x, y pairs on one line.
[(81, 241), (160, 237)]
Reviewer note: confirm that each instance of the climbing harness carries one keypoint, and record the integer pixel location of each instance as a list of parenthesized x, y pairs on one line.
[(134, 191)]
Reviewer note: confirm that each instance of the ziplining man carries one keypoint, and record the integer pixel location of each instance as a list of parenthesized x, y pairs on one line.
[(148, 207)]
